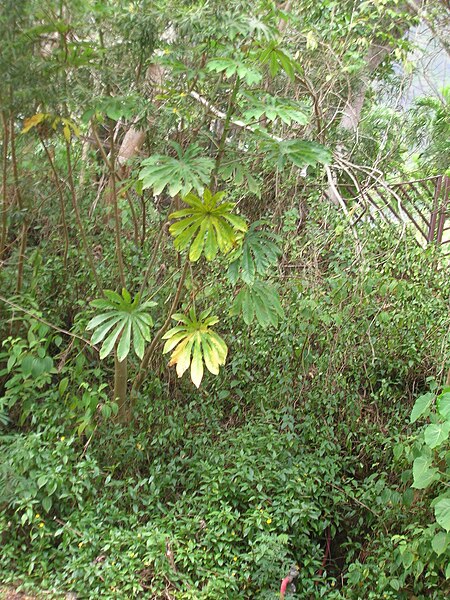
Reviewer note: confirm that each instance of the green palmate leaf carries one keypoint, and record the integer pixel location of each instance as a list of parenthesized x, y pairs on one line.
[(260, 301), (195, 344), (125, 321), (235, 66), (442, 513), (274, 109), (207, 227), (301, 153), (125, 340), (101, 331), (258, 252), (236, 172), (421, 406), (423, 473), (188, 171), (278, 59)]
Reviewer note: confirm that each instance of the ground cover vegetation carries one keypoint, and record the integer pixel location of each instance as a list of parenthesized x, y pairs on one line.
[(209, 372)]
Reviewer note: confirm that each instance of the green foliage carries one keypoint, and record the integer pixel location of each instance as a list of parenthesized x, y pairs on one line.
[(258, 252), (259, 300), (242, 504), (126, 320), (28, 367), (304, 436), (235, 67), (195, 336), (300, 153), (277, 59), (431, 451), (272, 109), (207, 226), (188, 171)]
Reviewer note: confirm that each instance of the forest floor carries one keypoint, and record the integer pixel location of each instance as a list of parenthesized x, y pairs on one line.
[(12, 594)]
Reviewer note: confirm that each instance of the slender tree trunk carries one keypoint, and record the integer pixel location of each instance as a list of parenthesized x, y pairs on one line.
[(120, 389), (81, 229), (351, 114), (18, 194), (4, 219), (61, 201)]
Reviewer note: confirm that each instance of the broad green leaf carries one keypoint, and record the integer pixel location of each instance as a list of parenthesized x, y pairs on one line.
[(423, 473), (232, 66), (101, 332), (248, 308), (96, 321), (440, 542), (110, 341), (442, 513), (443, 405), (47, 503), (437, 433), (62, 387), (189, 171), (258, 252), (421, 405), (138, 341)]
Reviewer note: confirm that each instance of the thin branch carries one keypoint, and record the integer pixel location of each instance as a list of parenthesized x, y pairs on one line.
[(151, 349), (41, 320)]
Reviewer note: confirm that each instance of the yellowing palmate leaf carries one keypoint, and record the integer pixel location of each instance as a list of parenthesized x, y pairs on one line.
[(195, 344), (68, 126), (33, 121), (207, 226)]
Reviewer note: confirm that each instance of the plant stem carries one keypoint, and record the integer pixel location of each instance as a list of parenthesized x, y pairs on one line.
[(120, 389), (226, 127), (4, 231), (76, 208), (153, 258), (61, 201), (24, 231), (117, 226), (151, 349)]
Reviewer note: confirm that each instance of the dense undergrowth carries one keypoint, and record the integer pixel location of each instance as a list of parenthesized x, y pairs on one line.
[(189, 187), (216, 493)]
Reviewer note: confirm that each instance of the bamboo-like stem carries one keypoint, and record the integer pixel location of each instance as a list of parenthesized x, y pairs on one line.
[(151, 349), (226, 127), (134, 217), (153, 257), (61, 201), (76, 208), (110, 164), (4, 219), (18, 195), (143, 219), (120, 389), (117, 225)]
